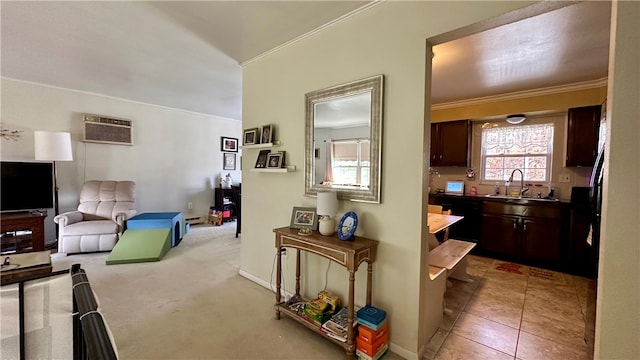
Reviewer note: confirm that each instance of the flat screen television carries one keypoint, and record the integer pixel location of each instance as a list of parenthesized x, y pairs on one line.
[(26, 186)]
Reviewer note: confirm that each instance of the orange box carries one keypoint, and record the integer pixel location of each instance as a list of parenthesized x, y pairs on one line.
[(371, 336), (371, 349)]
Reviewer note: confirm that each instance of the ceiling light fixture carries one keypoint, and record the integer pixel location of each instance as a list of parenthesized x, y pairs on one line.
[(516, 119)]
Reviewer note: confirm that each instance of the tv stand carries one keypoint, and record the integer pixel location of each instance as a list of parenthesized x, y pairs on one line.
[(23, 231)]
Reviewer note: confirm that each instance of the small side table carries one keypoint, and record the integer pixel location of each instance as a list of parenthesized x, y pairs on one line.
[(349, 254)]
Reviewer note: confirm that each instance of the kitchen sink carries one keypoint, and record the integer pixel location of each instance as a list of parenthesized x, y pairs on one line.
[(524, 198)]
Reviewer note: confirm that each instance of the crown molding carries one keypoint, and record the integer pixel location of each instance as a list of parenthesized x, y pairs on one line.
[(585, 85), (316, 30), (114, 98)]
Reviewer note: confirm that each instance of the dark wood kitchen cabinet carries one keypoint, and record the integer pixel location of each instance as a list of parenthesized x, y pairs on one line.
[(499, 235), (582, 135), (541, 240), (526, 233), (451, 143)]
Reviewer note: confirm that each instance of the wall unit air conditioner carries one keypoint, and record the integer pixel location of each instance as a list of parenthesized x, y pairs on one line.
[(106, 130)]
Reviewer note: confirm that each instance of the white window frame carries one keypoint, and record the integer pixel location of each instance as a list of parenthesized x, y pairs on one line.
[(548, 155), (359, 163)]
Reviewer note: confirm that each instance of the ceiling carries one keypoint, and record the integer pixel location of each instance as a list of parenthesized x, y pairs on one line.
[(187, 55), (566, 46)]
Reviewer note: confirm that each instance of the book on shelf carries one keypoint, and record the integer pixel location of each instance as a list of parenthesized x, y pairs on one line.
[(339, 337), (370, 325), (298, 307), (337, 326), (371, 314)]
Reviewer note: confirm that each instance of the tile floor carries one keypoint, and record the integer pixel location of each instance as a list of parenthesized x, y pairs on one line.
[(512, 311)]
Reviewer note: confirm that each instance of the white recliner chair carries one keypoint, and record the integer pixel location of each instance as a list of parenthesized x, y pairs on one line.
[(100, 219)]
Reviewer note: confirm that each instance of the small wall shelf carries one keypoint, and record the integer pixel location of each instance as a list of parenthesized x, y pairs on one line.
[(289, 168), (262, 146)]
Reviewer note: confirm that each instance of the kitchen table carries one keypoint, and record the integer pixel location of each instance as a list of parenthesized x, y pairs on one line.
[(439, 222)]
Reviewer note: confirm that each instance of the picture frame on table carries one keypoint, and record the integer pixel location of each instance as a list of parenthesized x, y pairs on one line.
[(228, 161), (304, 218), (251, 136), (228, 144), (267, 134), (261, 161), (275, 160)]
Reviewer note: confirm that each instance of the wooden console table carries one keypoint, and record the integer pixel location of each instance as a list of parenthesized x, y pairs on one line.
[(346, 253), (24, 221)]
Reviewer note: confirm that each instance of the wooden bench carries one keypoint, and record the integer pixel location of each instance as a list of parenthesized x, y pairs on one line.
[(452, 255)]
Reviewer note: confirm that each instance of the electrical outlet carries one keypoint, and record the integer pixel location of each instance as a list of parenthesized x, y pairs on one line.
[(189, 205), (565, 178)]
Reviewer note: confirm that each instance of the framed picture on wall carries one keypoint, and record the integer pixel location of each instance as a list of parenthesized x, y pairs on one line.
[(251, 136), (275, 160), (229, 161), (228, 144), (267, 134), (261, 162)]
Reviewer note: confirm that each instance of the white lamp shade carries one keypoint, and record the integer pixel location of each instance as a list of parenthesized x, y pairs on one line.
[(327, 203), (52, 146)]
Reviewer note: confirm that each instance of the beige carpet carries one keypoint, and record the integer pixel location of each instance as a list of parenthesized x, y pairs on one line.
[(47, 319), (193, 305)]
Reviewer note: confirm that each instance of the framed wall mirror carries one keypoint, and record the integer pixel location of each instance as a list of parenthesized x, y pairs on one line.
[(343, 136)]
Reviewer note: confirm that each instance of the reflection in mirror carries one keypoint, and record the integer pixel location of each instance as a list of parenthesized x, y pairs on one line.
[(342, 149)]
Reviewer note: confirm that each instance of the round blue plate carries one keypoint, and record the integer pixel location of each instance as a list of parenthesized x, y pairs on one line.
[(347, 225)]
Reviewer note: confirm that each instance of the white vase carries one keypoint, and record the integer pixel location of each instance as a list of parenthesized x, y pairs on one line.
[(327, 226)]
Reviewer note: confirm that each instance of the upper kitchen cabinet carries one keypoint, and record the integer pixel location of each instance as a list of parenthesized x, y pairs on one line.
[(451, 143), (582, 135)]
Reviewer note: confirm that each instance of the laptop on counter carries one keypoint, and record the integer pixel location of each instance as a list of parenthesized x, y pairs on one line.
[(454, 188)]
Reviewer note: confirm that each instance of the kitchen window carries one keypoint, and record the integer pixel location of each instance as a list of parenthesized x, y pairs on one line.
[(528, 148), (350, 161)]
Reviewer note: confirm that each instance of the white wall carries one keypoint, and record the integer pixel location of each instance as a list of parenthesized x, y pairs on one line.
[(618, 303), (175, 158), (388, 39)]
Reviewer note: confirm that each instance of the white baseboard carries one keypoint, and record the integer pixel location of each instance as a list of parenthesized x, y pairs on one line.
[(402, 352), (255, 279), (265, 284)]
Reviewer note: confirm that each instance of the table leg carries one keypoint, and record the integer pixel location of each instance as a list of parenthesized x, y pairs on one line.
[(369, 281), (278, 277), (350, 316), (298, 272), (21, 319)]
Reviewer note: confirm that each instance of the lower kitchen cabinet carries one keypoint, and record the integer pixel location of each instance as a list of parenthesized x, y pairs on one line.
[(541, 240), (530, 234), (499, 235)]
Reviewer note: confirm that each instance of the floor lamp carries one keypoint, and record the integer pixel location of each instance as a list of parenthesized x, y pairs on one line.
[(53, 146)]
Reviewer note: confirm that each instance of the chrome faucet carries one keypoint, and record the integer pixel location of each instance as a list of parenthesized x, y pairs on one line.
[(522, 188)]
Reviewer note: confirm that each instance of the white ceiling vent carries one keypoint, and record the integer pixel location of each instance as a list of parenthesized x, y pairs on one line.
[(106, 130)]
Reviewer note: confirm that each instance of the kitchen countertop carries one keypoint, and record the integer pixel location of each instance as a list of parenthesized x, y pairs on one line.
[(504, 198)]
